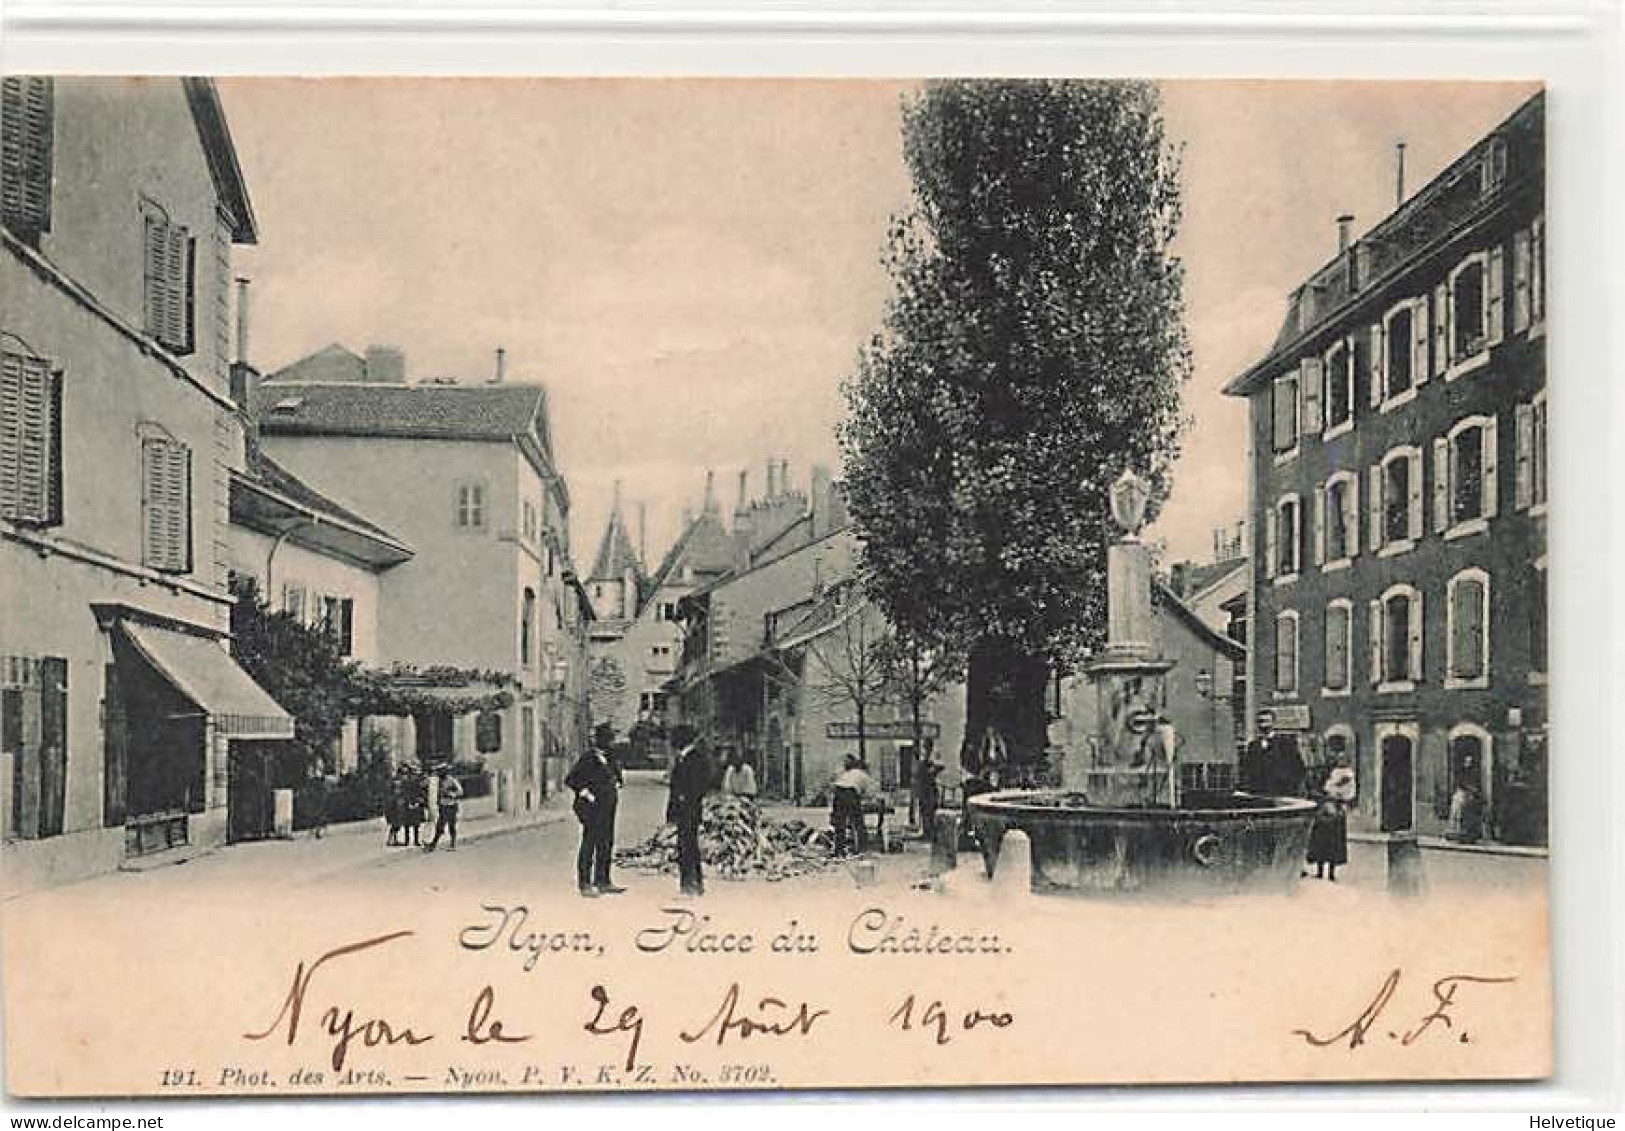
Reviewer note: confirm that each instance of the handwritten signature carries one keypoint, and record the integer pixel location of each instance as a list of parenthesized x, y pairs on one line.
[(1440, 1017)]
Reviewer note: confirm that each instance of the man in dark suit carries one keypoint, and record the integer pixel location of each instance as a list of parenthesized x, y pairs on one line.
[(596, 780), (691, 779), (1270, 764)]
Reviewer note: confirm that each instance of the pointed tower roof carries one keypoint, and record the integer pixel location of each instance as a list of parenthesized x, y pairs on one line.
[(615, 552)]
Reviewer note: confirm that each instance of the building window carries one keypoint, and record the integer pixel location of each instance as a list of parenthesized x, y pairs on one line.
[(1531, 472), (488, 732), (34, 733), (1339, 639), (1396, 639), (30, 439), (1285, 413), (1396, 501), (1473, 317), (166, 504), (293, 601), (26, 132), (1463, 804), (1283, 537), (527, 522), (168, 262), (1467, 630), (1286, 653), (471, 506), (1399, 332), (1338, 518), (527, 626), (1464, 476), (338, 621), (1339, 396), (1537, 271)]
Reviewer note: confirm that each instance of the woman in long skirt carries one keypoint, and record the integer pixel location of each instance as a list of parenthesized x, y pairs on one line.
[(1328, 837)]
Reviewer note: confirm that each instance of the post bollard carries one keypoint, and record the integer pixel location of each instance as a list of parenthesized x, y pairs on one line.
[(1013, 874), (1405, 876), (944, 843)]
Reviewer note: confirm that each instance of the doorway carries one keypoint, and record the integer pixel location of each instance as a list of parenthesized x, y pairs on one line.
[(1397, 774)]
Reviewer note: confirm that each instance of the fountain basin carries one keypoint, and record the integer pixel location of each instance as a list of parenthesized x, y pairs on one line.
[(1214, 842)]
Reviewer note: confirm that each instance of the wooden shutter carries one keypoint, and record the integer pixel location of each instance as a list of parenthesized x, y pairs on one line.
[(1495, 296), (1490, 464), (1379, 366), (1520, 280), (1374, 505), (176, 255), (1271, 521), (1351, 517), (26, 133), (1320, 526), (53, 748), (1374, 632), (1311, 380), (1523, 428), (166, 502), (1537, 269), (1413, 512), (1441, 329), (1414, 668), (1419, 340), (30, 439), (155, 288), (1441, 484)]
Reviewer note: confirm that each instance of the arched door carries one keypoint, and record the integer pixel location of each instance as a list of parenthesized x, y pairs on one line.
[(1398, 782)]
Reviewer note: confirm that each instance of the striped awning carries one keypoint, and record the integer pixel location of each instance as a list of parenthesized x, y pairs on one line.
[(204, 672)]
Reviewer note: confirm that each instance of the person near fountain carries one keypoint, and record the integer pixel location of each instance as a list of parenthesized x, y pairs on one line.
[(925, 787), (1328, 837), (1271, 765), (847, 793)]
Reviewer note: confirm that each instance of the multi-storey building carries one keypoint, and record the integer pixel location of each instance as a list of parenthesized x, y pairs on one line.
[(121, 711), (464, 473), (1398, 476)]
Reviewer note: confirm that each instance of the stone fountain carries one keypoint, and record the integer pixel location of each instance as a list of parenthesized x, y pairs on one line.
[(1131, 828)]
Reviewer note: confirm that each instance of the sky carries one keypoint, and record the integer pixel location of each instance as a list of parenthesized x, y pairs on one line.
[(691, 267)]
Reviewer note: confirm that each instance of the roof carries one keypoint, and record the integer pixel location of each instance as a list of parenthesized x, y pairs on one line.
[(1453, 202), (220, 152), (333, 362), (705, 546), (834, 607), (1218, 641), (615, 553), (284, 502), (419, 412)]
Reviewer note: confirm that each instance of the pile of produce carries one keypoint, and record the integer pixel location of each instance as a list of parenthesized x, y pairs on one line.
[(737, 843)]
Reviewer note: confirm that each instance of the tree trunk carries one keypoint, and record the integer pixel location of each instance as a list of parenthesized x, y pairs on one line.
[(1004, 690), (863, 745)]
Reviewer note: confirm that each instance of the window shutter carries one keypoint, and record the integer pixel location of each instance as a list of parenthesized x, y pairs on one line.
[(1537, 268), (1311, 379), (26, 134), (1320, 526), (1520, 280), (30, 440), (152, 515), (11, 433), (1270, 522), (1441, 328), (1419, 341), (1495, 296), (175, 259), (1491, 462), (53, 451), (155, 293), (1351, 516), (1374, 631), (1415, 666), (188, 338), (1414, 510), (1524, 434), (1379, 366), (1441, 484), (1374, 507)]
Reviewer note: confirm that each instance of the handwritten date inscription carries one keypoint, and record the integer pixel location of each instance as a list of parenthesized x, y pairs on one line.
[(1441, 1015)]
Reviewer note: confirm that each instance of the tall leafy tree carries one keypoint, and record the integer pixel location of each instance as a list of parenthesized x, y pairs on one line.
[(1034, 347)]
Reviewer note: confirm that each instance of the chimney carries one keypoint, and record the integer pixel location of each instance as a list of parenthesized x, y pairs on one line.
[(385, 365), (643, 534), (502, 366), (772, 478), (822, 508), (1399, 173), (1345, 229), (245, 382), (709, 504), (784, 477), (242, 320), (739, 507)]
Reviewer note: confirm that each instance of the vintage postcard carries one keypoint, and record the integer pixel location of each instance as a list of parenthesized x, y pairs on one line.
[(558, 585)]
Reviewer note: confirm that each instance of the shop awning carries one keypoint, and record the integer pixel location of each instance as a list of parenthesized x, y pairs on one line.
[(206, 674)]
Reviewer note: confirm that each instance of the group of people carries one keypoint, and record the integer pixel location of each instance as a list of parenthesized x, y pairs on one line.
[(412, 794), (1272, 766)]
